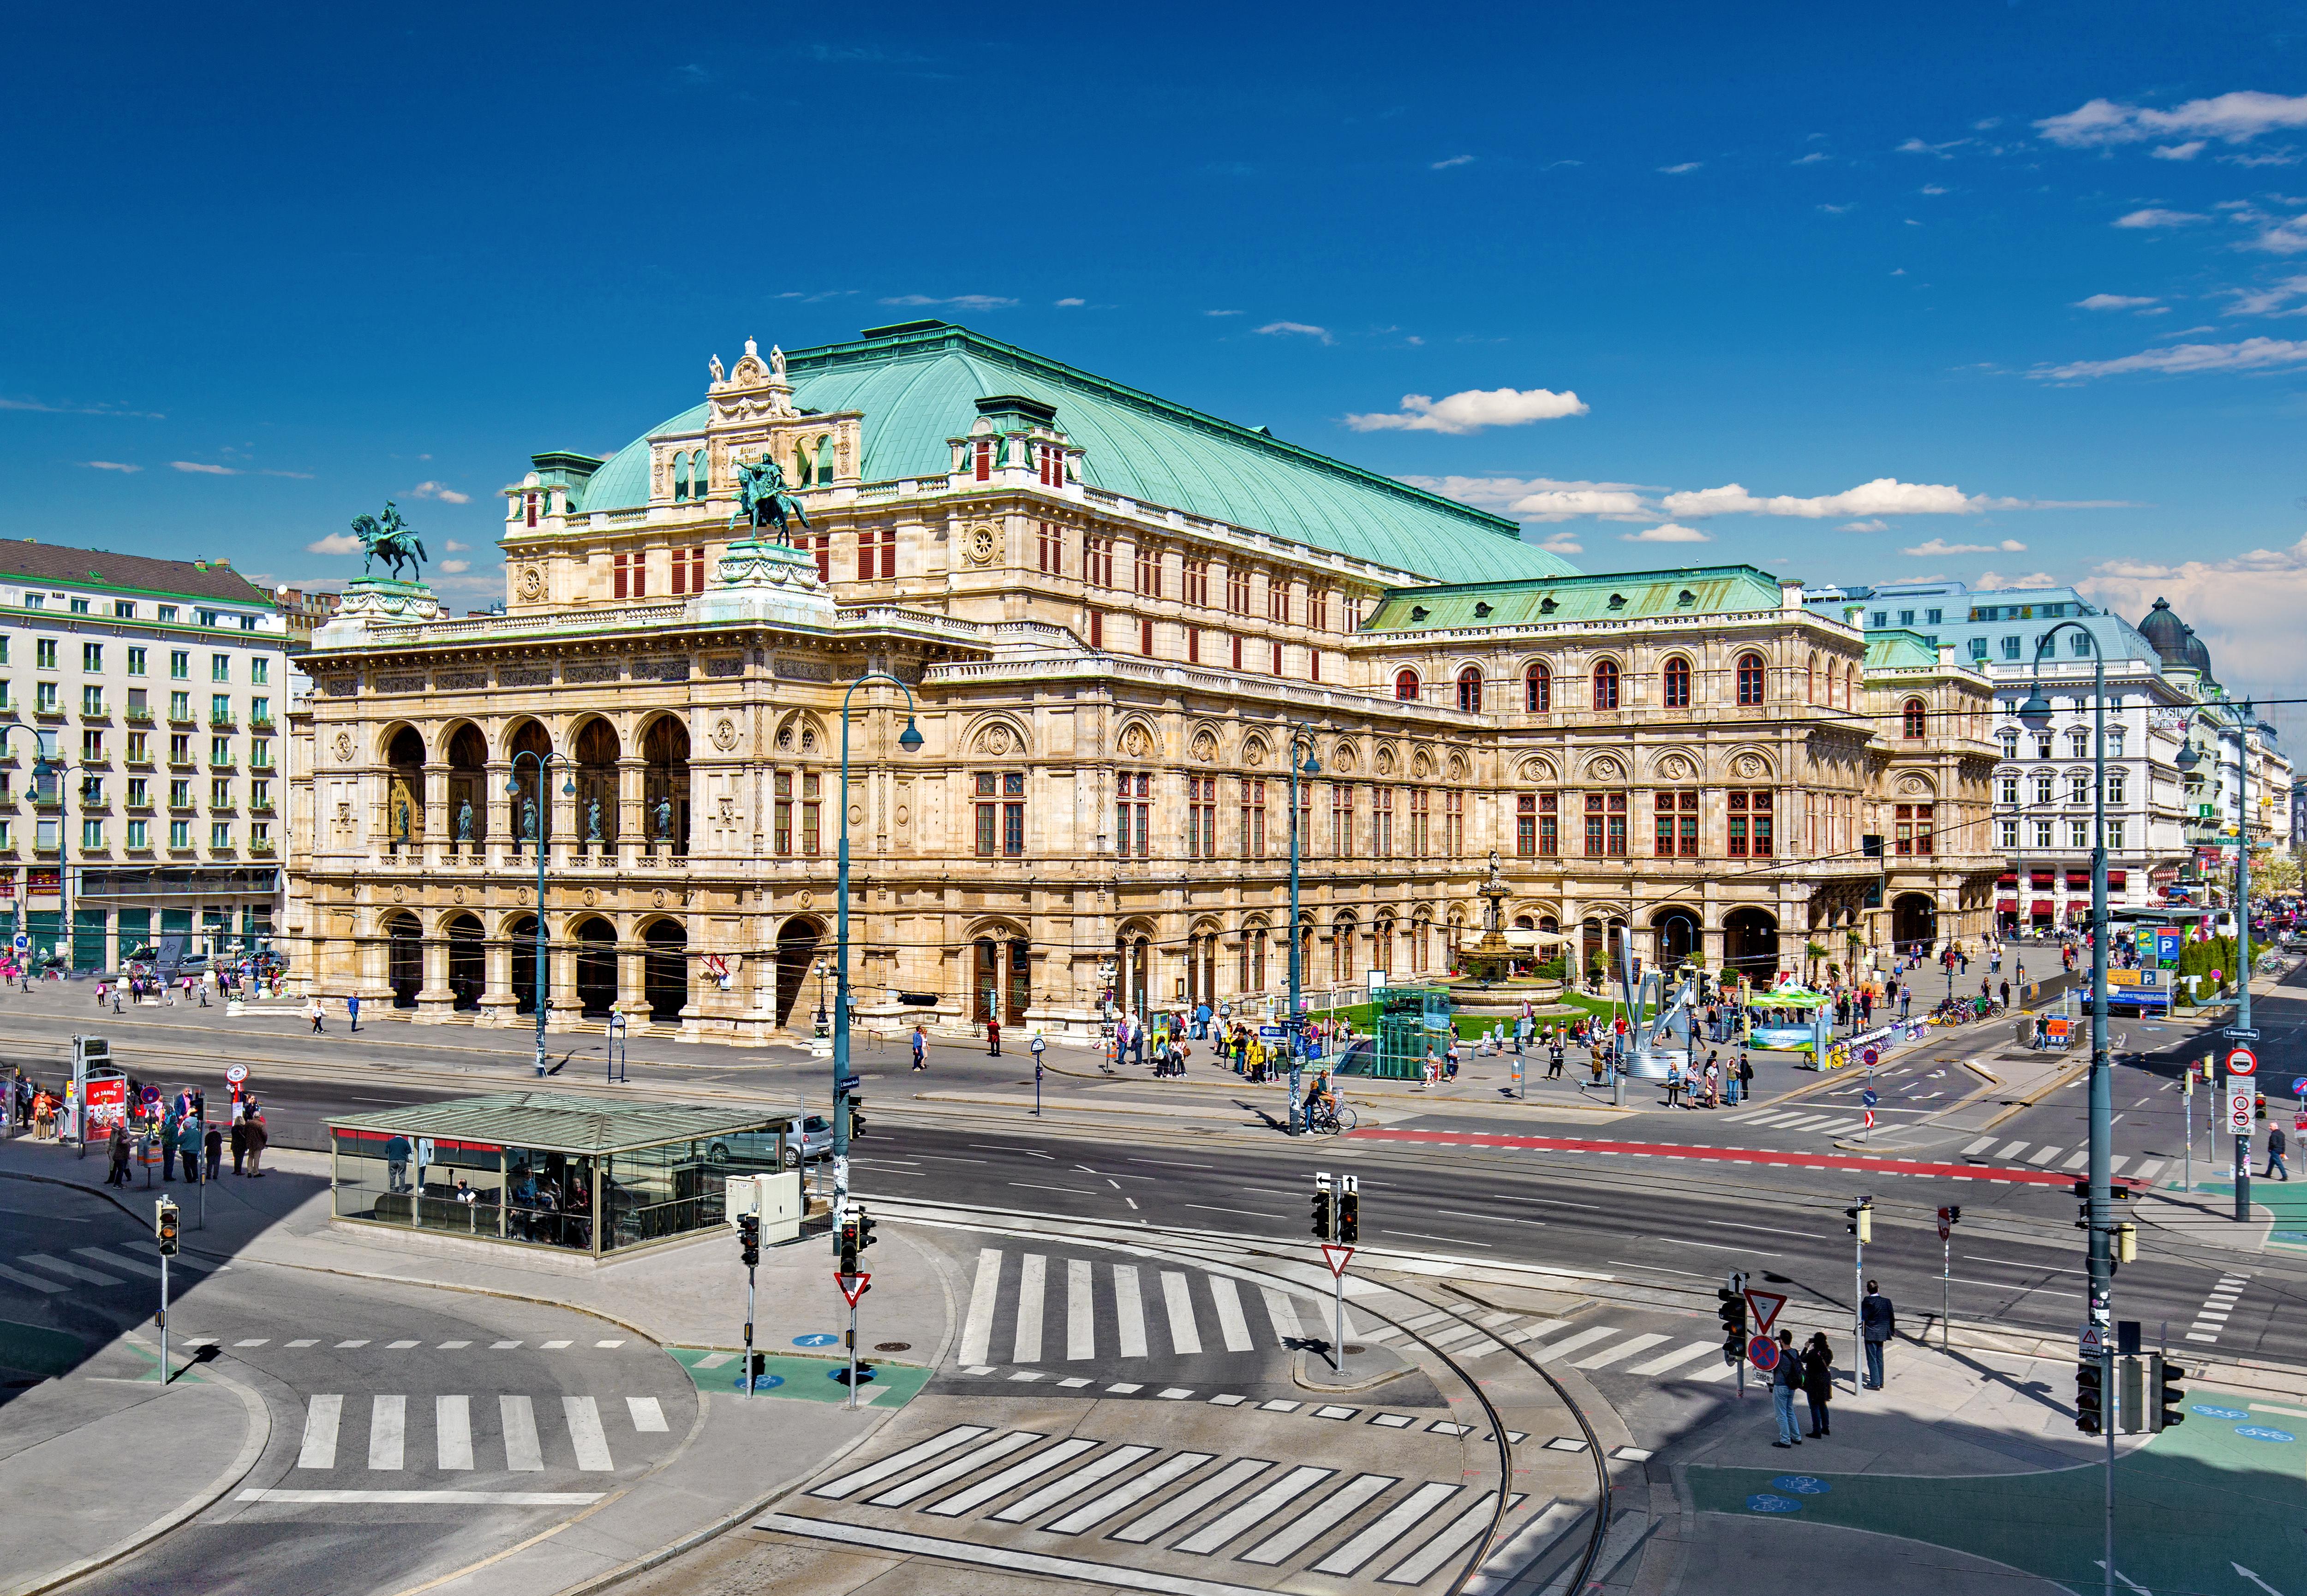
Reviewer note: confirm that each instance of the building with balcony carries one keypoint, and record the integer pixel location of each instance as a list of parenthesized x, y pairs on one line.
[(160, 823), (1117, 617)]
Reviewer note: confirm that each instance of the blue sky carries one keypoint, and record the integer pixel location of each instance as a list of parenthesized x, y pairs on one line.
[(2007, 288)]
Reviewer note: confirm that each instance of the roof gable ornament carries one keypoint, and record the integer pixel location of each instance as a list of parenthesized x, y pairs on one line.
[(754, 388)]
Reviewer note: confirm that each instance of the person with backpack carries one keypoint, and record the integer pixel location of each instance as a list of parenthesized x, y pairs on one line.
[(1786, 1380)]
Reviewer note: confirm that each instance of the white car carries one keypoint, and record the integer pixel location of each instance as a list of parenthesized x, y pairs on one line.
[(815, 1141)]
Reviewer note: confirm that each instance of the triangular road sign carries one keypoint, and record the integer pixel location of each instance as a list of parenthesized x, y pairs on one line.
[(2093, 1339), (1765, 1306), (852, 1286), (1336, 1258)]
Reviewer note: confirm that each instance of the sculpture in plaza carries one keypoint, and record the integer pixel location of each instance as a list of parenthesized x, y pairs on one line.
[(389, 538), (762, 500)]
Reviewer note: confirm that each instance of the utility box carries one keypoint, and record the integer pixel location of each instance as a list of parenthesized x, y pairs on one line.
[(777, 1198)]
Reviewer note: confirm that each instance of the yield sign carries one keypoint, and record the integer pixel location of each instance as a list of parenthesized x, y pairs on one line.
[(1765, 1306), (1336, 1258), (852, 1286)]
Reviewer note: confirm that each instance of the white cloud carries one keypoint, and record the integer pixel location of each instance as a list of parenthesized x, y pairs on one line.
[(1918, 147), (1560, 504), (2113, 302), (1812, 160), (1068, 304), (2235, 118), (1548, 498), (1677, 171), (1470, 411), (2155, 216), (440, 490), (2269, 300), (120, 465), (1221, 312), (2245, 607), (195, 466), (2178, 152), (454, 568), (1284, 329), (1989, 580), (336, 543), (1564, 543), (1455, 160), (2251, 355), (1839, 209), (1864, 526), (959, 301), (2284, 157), (2284, 238), (1884, 496), (1932, 188), (1668, 534), (454, 547), (1938, 546)]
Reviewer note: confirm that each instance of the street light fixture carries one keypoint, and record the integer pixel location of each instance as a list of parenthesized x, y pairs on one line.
[(1299, 736), (910, 740), (542, 823)]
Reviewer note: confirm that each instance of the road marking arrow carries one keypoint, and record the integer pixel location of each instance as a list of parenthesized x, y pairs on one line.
[(2126, 1579), (2254, 1579)]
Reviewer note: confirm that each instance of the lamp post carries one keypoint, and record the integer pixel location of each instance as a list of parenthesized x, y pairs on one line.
[(47, 764), (823, 971), (1299, 736), (39, 765), (536, 836), (2187, 760), (910, 740)]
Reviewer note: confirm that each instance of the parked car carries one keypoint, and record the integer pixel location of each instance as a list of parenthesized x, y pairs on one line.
[(815, 1141)]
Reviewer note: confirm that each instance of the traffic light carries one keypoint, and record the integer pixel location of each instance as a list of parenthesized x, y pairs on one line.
[(845, 1243), (865, 1237), (1861, 1221), (2126, 1243), (164, 1227), (1732, 1312), (2090, 1408), (1350, 1216), (748, 1238), (2165, 1397), (2259, 1105), (1954, 1213), (2082, 1199), (1324, 1229), (856, 1118)]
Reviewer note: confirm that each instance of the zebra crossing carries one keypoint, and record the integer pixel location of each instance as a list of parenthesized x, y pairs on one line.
[(1072, 1494), (2211, 1317), (2024, 1155), (460, 1435), (1832, 1123), (76, 1269)]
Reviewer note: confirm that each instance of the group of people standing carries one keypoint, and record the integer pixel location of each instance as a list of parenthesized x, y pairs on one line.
[(181, 1130)]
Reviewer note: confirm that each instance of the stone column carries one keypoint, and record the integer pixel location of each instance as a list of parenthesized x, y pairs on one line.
[(437, 1000), (439, 825), (632, 828), (564, 1007), (502, 812)]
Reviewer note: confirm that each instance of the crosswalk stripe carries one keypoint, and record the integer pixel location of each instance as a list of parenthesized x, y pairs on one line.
[(977, 1329), (648, 1414), (2010, 1152), (1125, 1496), (1253, 1512), (1332, 1509), (1187, 1503), (34, 1281), (1979, 1147), (523, 1455), (1388, 1527), (322, 1415), (1283, 1314), (388, 1432), (452, 1432), (1530, 1332), (945, 1473), (1752, 1119), (1443, 1339), (1540, 1531), (584, 1416), (2148, 1169), (1184, 1337), (1625, 1349), (1571, 1342), (897, 1463), (1424, 1320), (1719, 1371), (2114, 1165), (2043, 1155), (1031, 1279), (1072, 1485), (1681, 1354), (1231, 1325), (1007, 1563), (57, 1266), (112, 1260), (1010, 1478), (1129, 1311), (1423, 1564), (1802, 1122), (1081, 1316), (2076, 1160), (149, 1250)]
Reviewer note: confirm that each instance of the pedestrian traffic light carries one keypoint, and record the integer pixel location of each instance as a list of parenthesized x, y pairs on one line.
[(845, 1242), (1953, 1212), (1732, 1312), (164, 1227), (748, 1238), (2126, 1243), (2165, 1397), (856, 1118), (1323, 1227), (1861, 1221), (2089, 1408), (1350, 1217), (865, 1237)]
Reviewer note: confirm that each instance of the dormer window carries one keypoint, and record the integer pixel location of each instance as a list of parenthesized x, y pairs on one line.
[(1617, 601), (1053, 460), (1684, 599), (1420, 612), (1546, 606), (981, 454), (1483, 611), (530, 500)]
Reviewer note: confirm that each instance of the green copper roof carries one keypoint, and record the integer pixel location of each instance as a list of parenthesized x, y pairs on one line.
[(560, 1121), (1710, 590), (1887, 650), (919, 386)]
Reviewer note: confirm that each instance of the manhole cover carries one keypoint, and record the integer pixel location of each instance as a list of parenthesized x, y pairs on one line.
[(893, 1346), (1355, 1352)]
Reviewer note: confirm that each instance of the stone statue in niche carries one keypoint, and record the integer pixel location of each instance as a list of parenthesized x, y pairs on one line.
[(664, 820), (401, 821), (465, 821), (529, 818), (593, 821)]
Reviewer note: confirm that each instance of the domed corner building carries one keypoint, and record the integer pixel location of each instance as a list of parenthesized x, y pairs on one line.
[(1113, 613)]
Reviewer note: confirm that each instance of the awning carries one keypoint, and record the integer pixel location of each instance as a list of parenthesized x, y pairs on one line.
[(2006, 880), (2115, 878), (2043, 906), (2040, 878), (2007, 905), (2079, 878)]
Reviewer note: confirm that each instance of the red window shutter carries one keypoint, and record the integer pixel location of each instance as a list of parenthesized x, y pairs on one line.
[(1277, 659), (1237, 653), (697, 570), (1097, 628), (680, 572), (621, 578), (640, 576), (1145, 636)]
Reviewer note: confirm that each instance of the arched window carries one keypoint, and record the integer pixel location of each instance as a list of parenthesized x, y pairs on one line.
[(1915, 719), (1470, 691), (1406, 686), (1537, 689), (1606, 685), (1810, 678), (1678, 683), (1750, 679)]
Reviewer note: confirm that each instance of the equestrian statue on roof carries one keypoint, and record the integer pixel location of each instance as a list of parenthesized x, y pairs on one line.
[(763, 500), (389, 538)]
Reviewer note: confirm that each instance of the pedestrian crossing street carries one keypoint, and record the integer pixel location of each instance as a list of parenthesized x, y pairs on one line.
[(1108, 1315), (2023, 1154), (1267, 1512), (75, 1268), (460, 1434)]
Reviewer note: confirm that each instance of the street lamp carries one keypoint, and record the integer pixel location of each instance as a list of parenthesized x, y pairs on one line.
[(539, 825), (1299, 736), (2038, 709), (910, 740), (2187, 760), (823, 971), (39, 768)]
